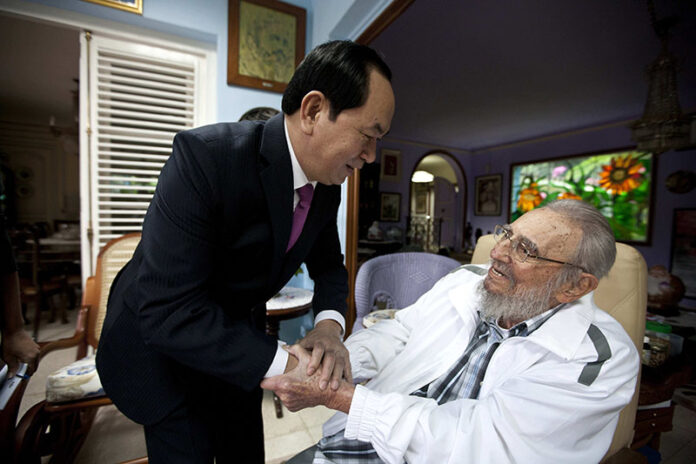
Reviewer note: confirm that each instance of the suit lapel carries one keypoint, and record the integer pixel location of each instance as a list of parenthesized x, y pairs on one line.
[(276, 179)]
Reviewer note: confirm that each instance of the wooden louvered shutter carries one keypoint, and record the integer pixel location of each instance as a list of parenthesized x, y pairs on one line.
[(140, 96)]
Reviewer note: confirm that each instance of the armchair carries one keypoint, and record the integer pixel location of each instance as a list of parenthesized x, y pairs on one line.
[(58, 425), (623, 294), (397, 279)]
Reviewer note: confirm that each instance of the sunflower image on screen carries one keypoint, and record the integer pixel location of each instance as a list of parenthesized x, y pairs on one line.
[(619, 184)]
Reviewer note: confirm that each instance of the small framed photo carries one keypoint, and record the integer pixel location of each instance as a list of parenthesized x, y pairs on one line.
[(390, 207), (390, 167), (488, 195), (132, 6), (420, 199), (684, 249), (265, 43)]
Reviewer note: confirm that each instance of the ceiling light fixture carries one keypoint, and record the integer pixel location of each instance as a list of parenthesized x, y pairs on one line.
[(422, 177), (662, 127)]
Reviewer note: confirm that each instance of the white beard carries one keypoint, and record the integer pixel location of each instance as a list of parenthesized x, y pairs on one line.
[(522, 304)]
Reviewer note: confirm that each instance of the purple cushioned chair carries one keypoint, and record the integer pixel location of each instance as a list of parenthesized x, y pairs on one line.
[(397, 280)]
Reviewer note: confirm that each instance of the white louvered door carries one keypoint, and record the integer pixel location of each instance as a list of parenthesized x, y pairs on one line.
[(139, 97)]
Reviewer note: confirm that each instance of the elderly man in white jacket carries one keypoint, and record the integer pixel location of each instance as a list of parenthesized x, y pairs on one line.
[(510, 362)]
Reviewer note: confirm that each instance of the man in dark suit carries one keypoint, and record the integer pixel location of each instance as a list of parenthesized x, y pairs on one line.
[(183, 349)]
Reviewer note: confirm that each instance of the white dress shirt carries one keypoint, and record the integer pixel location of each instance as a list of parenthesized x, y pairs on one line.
[(299, 179)]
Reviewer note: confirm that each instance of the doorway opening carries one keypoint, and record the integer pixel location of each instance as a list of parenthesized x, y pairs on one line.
[(437, 206)]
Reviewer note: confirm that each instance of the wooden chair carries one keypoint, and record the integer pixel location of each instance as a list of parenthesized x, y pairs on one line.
[(70, 266), (8, 419), (59, 428), (37, 285)]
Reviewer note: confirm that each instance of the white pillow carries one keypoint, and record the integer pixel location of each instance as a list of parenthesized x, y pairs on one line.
[(74, 381)]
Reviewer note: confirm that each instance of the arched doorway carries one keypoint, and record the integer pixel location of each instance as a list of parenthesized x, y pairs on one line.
[(437, 204)]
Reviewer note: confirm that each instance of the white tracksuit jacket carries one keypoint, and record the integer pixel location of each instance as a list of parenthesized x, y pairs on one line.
[(534, 406)]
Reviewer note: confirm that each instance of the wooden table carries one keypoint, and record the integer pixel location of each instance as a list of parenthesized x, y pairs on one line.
[(289, 303)]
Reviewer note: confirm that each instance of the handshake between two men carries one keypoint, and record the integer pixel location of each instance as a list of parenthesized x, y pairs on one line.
[(318, 372)]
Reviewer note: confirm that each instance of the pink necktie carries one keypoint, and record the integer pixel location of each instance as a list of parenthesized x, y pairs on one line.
[(298, 218)]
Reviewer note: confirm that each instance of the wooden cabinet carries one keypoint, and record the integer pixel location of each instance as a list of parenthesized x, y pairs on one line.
[(650, 423)]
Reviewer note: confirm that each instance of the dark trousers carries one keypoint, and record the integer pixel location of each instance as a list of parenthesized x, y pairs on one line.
[(216, 421)]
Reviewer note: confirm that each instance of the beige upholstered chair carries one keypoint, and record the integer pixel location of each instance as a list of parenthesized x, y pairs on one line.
[(623, 294), (59, 425)]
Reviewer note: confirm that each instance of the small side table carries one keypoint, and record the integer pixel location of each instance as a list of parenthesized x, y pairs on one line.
[(657, 385), (289, 303)]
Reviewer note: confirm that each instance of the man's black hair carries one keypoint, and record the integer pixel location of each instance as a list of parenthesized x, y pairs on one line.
[(340, 70)]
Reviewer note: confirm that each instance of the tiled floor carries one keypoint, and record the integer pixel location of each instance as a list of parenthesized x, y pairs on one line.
[(679, 445), (114, 438)]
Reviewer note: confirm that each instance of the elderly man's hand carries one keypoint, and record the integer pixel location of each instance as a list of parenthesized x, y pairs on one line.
[(326, 344), (297, 390)]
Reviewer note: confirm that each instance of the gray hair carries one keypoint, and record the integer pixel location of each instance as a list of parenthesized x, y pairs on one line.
[(596, 251)]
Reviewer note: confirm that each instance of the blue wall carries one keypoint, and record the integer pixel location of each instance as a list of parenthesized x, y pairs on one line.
[(201, 20)]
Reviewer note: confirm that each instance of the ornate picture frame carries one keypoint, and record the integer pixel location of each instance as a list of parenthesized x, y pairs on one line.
[(420, 198), (390, 165), (266, 42), (132, 6), (390, 207), (488, 195)]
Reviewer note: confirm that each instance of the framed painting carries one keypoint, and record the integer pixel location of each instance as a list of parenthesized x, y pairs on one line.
[(390, 166), (266, 42), (420, 199), (132, 6), (619, 183), (488, 195), (683, 263), (390, 207)]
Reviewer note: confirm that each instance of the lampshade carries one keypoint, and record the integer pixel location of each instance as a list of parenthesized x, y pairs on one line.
[(663, 127), (422, 177)]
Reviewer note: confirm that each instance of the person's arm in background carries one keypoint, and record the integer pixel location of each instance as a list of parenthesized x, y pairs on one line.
[(17, 345)]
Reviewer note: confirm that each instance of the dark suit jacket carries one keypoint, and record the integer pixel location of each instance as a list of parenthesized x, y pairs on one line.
[(213, 248)]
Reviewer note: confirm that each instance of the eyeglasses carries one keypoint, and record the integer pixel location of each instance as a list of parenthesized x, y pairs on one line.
[(519, 250)]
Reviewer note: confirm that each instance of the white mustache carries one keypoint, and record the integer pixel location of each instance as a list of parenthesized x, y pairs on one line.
[(505, 269)]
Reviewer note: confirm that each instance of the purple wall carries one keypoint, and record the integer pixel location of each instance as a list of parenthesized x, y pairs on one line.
[(410, 155), (498, 161)]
